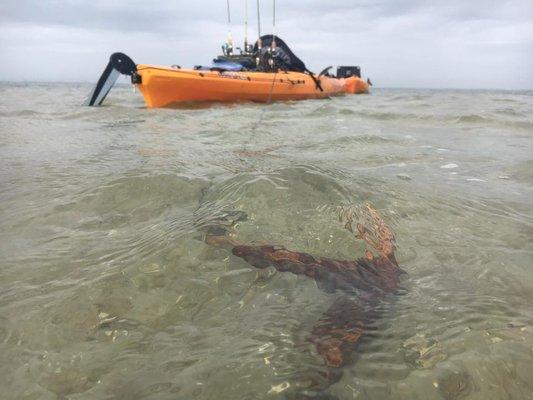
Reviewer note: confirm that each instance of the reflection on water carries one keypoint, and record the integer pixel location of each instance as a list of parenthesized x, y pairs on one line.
[(109, 291)]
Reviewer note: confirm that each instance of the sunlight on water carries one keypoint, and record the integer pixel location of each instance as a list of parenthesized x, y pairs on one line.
[(108, 289)]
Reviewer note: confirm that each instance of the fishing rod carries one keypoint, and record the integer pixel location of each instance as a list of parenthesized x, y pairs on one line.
[(273, 24), (230, 36), (229, 15), (246, 25), (259, 42)]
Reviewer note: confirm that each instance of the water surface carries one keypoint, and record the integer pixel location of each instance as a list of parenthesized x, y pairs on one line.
[(107, 290)]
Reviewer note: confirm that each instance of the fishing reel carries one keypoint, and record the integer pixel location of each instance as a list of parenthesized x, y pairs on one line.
[(227, 49)]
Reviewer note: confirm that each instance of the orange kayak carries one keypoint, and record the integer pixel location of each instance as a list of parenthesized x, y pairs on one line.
[(169, 86), (165, 87)]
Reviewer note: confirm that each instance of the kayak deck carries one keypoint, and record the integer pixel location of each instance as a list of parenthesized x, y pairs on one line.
[(165, 87)]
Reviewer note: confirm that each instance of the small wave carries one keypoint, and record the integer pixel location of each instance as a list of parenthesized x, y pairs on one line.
[(520, 124), (20, 113), (511, 101), (472, 119), (522, 172), (346, 111), (388, 116), (322, 110), (132, 199), (507, 111), (449, 166), (367, 139)]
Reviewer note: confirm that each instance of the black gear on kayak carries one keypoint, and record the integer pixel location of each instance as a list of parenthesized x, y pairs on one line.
[(273, 60), (290, 61), (282, 57)]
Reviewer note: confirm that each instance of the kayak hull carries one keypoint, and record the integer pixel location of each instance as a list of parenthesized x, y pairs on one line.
[(167, 87)]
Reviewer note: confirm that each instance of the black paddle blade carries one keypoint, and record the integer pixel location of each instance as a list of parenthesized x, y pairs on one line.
[(119, 63)]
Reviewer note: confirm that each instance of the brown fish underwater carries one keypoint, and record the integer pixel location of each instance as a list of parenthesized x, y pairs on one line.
[(365, 281)]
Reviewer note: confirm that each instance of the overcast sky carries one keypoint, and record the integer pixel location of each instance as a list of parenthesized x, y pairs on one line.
[(398, 43)]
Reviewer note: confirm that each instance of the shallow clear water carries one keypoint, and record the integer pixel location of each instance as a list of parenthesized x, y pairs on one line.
[(107, 290)]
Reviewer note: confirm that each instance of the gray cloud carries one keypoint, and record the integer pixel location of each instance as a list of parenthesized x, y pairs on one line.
[(410, 43)]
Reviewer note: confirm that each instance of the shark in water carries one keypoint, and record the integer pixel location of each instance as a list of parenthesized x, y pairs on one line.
[(365, 281)]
